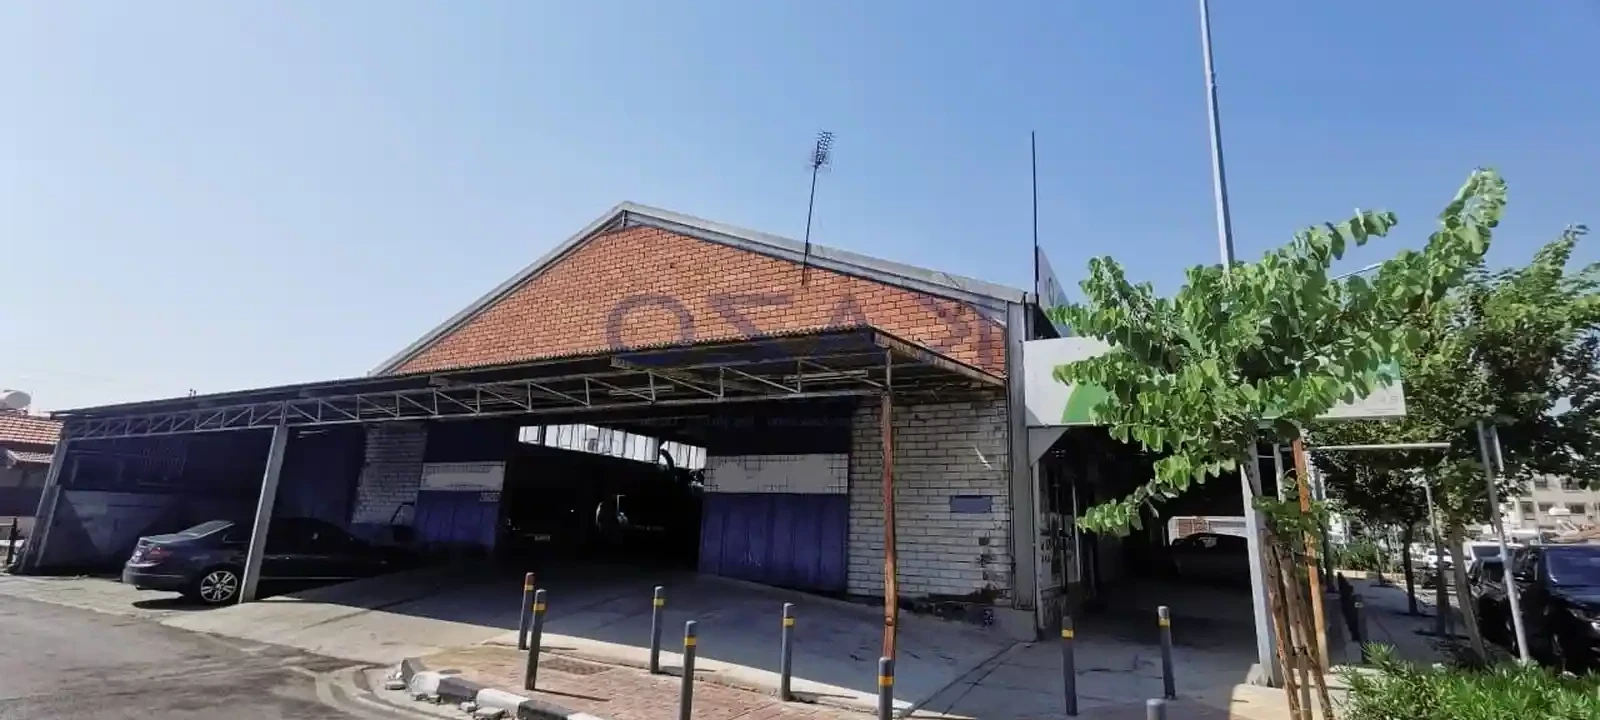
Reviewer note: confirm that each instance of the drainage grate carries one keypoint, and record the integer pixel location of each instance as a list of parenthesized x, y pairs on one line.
[(572, 667)]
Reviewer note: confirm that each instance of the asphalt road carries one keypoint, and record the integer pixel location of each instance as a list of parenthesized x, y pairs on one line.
[(58, 662)]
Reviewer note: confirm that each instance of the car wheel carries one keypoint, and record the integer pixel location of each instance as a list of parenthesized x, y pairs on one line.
[(217, 586)]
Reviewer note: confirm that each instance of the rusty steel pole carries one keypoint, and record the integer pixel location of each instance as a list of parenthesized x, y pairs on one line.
[(891, 579), (1319, 621)]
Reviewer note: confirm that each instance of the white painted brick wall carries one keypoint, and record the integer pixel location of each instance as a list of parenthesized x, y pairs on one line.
[(816, 474), (391, 472), (941, 450)]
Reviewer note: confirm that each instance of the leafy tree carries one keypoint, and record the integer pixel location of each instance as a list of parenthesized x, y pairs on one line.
[(1260, 349), (1378, 497), (1192, 377), (1518, 347)]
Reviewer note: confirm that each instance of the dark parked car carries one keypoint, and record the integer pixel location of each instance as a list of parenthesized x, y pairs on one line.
[(1559, 590), (1211, 557), (206, 562)]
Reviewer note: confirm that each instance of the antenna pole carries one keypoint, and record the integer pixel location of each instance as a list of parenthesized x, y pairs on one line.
[(821, 155), (1033, 157), (811, 204)]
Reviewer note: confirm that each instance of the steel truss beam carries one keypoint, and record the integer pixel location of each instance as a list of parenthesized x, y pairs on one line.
[(625, 386)]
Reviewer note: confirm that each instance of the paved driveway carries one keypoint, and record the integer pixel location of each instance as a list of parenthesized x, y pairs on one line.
[(61, 662), (600, 613)]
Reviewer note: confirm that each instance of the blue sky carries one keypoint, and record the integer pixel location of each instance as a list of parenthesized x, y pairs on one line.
[(225, 195)]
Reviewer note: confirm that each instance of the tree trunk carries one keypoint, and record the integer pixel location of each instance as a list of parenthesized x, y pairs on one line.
[(1458, 573), (1406, 536)]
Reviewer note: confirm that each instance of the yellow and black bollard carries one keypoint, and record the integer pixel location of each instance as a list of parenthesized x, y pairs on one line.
[(658, 603), (686, 690), (526, 614), (530, 675), (1168, 685), (885, 688)]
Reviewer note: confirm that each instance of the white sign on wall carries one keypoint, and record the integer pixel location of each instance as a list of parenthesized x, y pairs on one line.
[(1055, 404), (820, 474), (477, 477)]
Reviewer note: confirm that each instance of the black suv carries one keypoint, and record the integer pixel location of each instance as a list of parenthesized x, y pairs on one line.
[(1559, 590), (206, 562)]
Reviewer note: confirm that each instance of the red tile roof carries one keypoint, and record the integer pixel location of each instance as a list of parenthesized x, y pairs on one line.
[(28, 429)]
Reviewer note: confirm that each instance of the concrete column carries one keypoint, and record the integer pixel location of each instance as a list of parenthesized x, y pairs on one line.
[(1266, 657), (1023, 493), (45, 515), (269, 496)]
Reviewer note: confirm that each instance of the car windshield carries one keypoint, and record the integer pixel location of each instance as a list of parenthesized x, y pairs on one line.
[(1575, 566), (1486, 551), (205, 528)]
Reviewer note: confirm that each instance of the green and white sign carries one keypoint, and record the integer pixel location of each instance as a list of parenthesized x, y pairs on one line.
[(1055, 404)]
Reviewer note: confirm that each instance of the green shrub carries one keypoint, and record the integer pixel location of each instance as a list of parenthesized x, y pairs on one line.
[(1359, 554), (1400, 691)]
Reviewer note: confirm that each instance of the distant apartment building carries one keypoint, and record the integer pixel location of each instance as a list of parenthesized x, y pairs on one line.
[(1553, 503)]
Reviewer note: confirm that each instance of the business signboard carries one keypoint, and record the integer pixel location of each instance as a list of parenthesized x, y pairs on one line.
[(1055, 404), (480, 477), (1048, 288)]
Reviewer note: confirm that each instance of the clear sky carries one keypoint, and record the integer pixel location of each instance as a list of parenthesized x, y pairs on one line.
[(219, 195)]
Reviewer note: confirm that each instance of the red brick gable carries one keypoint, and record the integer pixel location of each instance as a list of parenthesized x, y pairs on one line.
[(643, 286)]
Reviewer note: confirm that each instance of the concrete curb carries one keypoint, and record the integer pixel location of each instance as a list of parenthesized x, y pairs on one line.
[(454, 688)]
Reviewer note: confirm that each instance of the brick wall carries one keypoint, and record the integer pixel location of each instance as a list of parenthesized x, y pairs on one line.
[(391, 471), (942, 450), (643, 286)]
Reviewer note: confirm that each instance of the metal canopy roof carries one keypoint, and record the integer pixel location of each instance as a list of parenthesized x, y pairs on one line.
[(830, 363)]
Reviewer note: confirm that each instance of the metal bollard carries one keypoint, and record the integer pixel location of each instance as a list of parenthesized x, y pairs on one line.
[(1155, 710), (1164, 618), (527, 612), (11, 541), (686, 690), (1361, 625), (657, 602), (786, 660), (1069, 665), (530, 675), (885, 688)]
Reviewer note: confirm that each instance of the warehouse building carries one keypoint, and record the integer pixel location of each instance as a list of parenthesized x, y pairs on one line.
[(753, 395)]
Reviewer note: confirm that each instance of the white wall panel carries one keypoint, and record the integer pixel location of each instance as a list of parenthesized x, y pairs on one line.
[(820, 474)]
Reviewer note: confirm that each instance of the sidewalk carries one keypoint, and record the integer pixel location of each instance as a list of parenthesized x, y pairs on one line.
[(616, 692), (1389, 621)]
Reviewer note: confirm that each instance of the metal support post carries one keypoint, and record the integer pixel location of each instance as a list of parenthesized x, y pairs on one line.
[(891, 573), (1155, 710), (264, 503), (1069, 665), (11, 541), (1487, 434), (1319, 621), (1168, 685), (1442, 625), (1266, 653), (530, 673), (1361, 624), (686, 689), (526, 614), (885, 688), (786, 659), (49, 499), (658, 603)]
